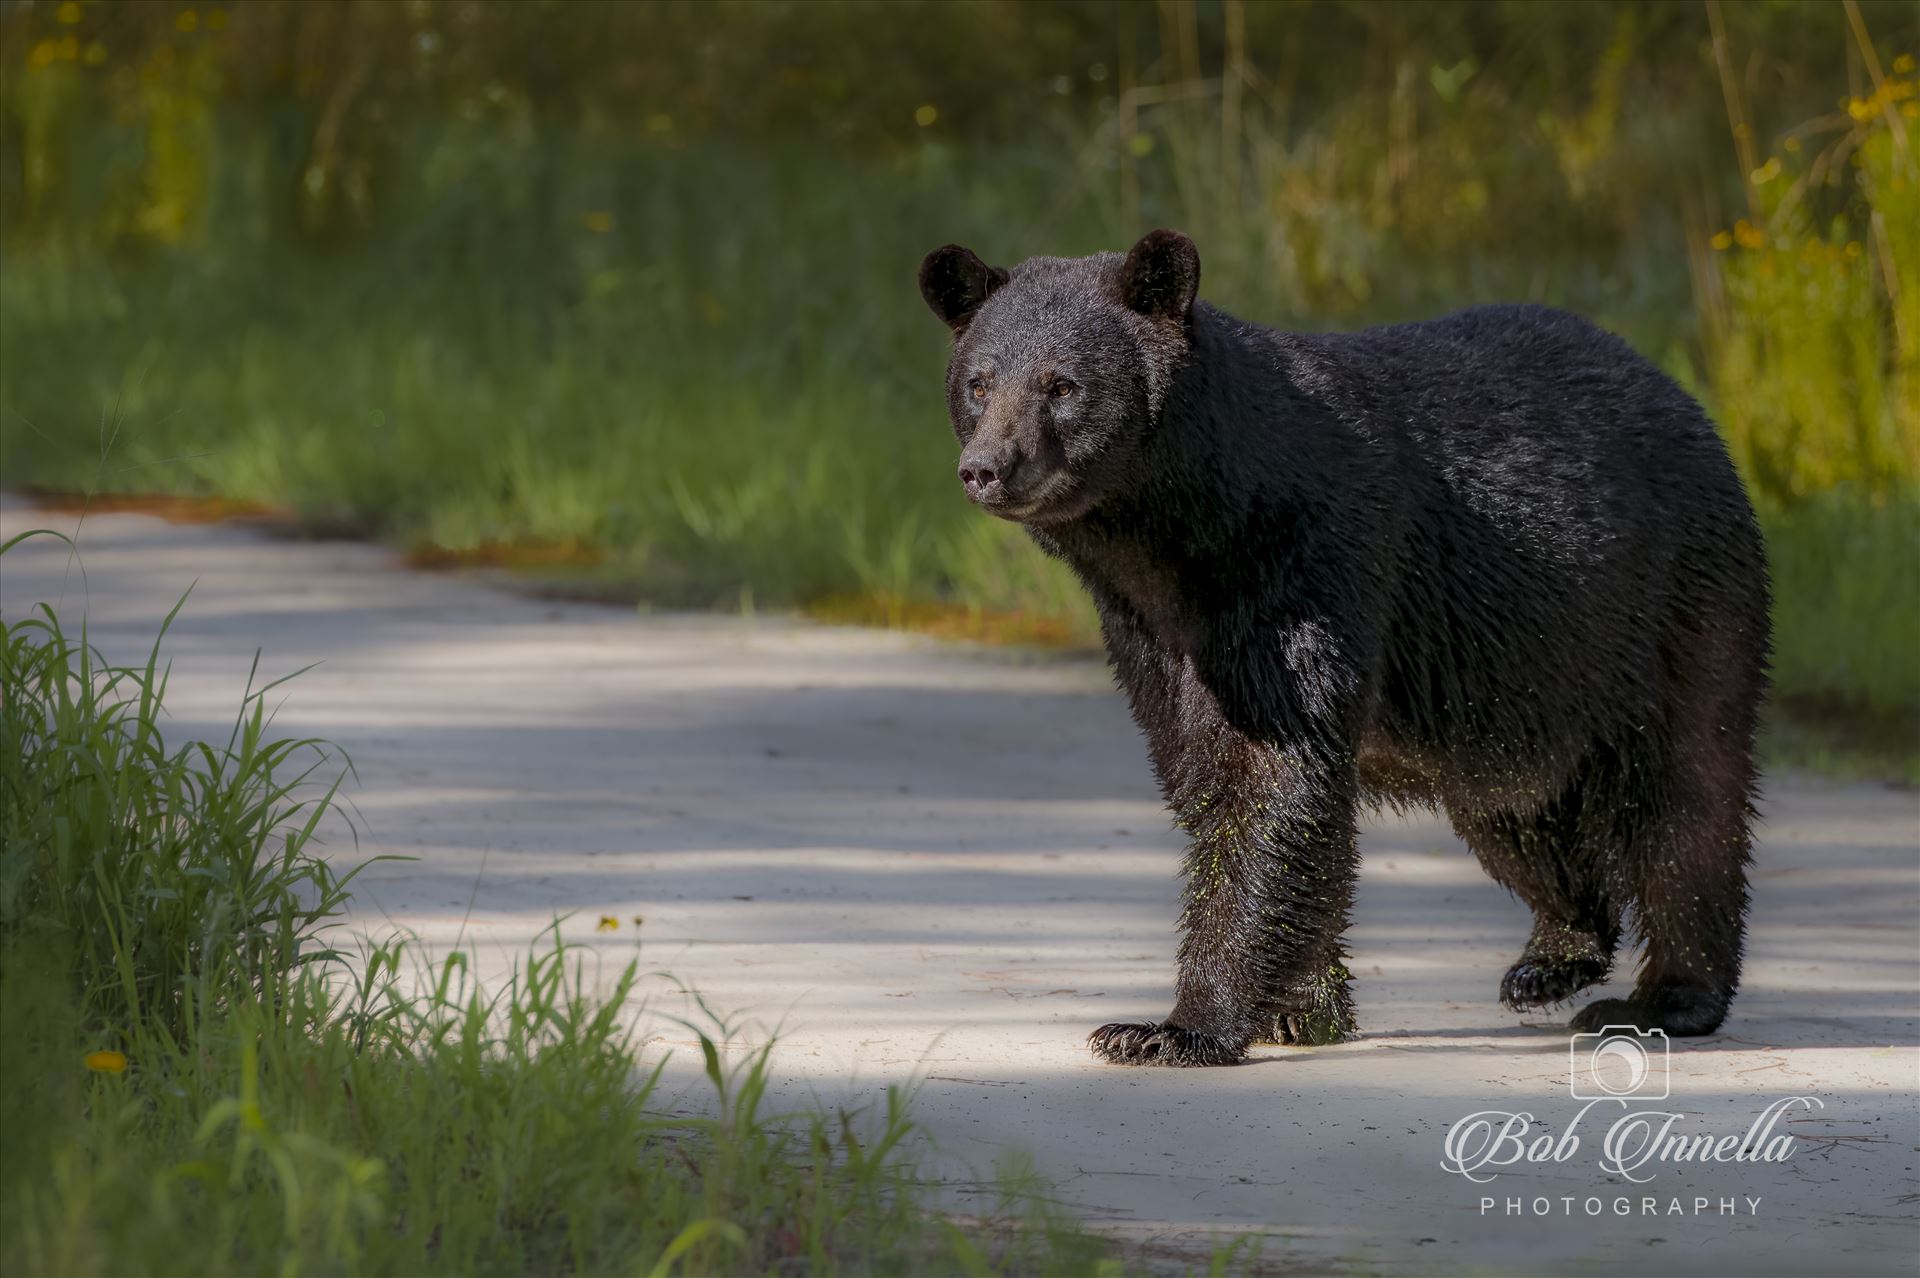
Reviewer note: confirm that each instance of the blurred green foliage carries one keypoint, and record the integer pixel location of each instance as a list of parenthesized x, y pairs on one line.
[(639, 278)]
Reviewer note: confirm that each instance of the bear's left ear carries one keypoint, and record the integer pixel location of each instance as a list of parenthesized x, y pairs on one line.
[(955, 282), (1161, 276)]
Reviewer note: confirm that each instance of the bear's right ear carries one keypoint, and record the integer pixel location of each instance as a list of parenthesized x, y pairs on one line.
[(955, 282), (1161, 276)]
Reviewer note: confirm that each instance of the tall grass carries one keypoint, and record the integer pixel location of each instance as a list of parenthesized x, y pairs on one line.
[(193, 1082), (169, 879)]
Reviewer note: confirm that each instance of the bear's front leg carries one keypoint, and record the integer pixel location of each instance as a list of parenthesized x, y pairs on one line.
[(1269, 882)]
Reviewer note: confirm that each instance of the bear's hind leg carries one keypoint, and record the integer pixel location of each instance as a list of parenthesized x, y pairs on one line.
[(1686, 862), (1560, 960), (1689, 888), (1546, 860)]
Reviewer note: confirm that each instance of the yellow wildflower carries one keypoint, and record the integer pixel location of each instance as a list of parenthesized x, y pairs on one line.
[(107, 1062), (926, 115), (1722, 241), (607, 923)]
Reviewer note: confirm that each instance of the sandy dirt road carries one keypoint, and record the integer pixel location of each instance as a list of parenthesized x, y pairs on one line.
[(940, 863)]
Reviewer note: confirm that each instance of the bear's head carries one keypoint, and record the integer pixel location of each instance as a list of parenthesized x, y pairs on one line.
[(1060, 368)]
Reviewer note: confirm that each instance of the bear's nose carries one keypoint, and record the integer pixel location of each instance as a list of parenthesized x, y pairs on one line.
[(984, 475)]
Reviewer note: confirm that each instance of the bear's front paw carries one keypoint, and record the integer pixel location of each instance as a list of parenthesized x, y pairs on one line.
[(1162, 1043)]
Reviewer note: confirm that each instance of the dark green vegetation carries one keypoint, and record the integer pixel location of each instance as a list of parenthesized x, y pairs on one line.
[(193, 1085), (456, 276), (1846, 626)]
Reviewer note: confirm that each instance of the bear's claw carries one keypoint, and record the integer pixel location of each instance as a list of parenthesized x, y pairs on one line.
[(1159, 1043)]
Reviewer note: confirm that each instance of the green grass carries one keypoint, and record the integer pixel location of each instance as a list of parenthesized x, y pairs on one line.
[(1846, 579), (1848, 576), (721, 416), (703, 377), (193, 1082)]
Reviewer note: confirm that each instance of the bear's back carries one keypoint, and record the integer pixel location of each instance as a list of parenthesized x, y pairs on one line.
[(1563, 501)]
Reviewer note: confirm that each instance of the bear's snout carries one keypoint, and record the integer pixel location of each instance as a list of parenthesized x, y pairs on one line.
[(985, 473)]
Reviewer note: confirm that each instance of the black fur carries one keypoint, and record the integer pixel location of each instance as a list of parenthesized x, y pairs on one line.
[(1496, 563)]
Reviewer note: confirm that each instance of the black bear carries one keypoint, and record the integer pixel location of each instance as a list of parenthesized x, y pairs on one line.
[(1496, 563)]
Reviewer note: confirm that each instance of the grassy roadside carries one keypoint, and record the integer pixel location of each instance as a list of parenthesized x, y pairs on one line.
[(196, 1083)]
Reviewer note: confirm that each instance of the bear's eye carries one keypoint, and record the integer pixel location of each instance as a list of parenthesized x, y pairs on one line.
[(978, 387), (1061, 389)]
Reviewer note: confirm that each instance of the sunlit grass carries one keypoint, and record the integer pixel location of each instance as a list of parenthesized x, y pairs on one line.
[(1814, 320)]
